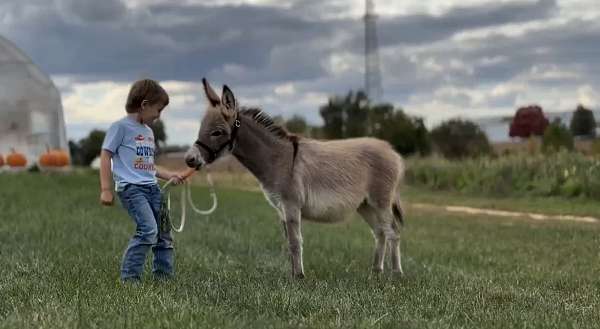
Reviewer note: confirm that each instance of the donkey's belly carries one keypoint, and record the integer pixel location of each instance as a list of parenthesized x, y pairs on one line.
[(323, 207), (329, 207), (325, 217)]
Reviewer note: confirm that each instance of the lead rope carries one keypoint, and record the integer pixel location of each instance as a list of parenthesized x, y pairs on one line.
[(186, 195), (213, 194)]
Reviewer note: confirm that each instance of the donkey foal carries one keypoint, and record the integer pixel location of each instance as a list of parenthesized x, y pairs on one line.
[(302, 178)]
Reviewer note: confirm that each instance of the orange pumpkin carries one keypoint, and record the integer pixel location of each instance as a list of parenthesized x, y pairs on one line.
[(61, 158), (47, 159), (54, 158), (1, 160), (16, 159)]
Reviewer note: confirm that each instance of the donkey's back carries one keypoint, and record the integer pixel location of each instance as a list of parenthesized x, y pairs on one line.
[(336, 177)]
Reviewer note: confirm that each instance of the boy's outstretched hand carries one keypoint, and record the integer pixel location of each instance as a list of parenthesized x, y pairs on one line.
[(177, 178), (106, 198)]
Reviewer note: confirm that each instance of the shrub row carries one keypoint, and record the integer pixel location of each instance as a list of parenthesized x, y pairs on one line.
[(563, 173)]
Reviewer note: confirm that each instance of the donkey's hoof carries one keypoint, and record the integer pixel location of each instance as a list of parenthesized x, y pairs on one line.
[(398, 273), (377, 270)]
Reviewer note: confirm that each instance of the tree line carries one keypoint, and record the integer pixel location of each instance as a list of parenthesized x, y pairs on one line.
[(352, 115)]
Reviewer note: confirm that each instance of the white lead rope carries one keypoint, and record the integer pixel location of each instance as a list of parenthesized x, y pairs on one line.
[(186, 195), (213, 194)]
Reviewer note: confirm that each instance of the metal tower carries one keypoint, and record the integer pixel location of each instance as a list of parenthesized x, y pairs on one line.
[(372, 73)]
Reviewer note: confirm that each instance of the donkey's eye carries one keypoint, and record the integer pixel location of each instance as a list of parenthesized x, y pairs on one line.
[(216, 133)]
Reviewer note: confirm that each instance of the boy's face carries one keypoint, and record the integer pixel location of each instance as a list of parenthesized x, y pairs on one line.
[(151, 111)]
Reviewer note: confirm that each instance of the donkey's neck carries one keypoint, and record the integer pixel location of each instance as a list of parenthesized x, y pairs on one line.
[(266, 155)]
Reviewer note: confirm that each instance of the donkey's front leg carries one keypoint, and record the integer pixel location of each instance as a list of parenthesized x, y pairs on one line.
[(294, 236)]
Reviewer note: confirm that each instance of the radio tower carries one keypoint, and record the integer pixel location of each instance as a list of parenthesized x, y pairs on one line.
[(372, 74)]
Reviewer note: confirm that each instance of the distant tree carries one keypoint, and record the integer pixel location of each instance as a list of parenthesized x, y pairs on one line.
[(90, 146), (352, 116), (407, 135), (583, 122), (160, 136), (75, 151), (297, 125), (174, 148), (458, 138), (278, 120), (316, 132), (357, 114), (333, 118), (422, 136), (345, 116), (528, 121), (379, 115), (557, 137)]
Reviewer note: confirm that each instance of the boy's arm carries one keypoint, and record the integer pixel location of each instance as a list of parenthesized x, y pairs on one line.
[(178, 178), (163, 173), (106, 196)]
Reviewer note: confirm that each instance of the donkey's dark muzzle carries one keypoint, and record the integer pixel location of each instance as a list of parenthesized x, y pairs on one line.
[(193, 161), (190, 162)]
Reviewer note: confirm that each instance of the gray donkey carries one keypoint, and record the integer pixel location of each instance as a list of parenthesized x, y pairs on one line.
[(322, 181)]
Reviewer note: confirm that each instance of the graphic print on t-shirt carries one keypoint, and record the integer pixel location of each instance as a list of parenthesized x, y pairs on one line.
[(144, 150)]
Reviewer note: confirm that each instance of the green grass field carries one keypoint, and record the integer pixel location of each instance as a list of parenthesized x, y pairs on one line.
[(61, 253)]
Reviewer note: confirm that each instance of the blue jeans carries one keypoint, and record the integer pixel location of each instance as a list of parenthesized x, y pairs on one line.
[(143, 205)]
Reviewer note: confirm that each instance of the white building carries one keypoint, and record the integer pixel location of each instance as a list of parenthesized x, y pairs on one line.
[(31, 114)]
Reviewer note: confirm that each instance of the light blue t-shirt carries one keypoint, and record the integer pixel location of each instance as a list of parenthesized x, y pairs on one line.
[(132, 146)]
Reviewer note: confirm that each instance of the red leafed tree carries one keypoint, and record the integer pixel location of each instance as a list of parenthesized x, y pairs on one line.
[(528, 120)]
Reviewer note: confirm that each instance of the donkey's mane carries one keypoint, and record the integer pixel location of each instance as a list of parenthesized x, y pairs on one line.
[(267, 122)]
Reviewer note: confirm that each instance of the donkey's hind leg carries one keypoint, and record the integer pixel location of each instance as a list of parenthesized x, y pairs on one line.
[(392, 232), (394, 240), (369, 214)]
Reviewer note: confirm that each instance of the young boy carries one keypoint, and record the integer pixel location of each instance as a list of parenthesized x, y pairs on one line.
[(129, 143)]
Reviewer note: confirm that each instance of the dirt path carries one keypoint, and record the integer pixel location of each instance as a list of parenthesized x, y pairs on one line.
[(503, 213), (483, 211)]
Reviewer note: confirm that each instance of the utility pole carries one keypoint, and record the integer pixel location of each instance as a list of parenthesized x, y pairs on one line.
[(373, 87), (372, 72)]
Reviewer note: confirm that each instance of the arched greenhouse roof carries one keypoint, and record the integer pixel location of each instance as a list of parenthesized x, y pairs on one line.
[(31, 114)]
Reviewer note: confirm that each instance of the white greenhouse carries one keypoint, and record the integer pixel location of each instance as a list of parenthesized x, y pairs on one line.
[(31, 114)]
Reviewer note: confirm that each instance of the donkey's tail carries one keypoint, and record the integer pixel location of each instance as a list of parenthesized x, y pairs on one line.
[(397, 205), (398, 214), (397, 210)]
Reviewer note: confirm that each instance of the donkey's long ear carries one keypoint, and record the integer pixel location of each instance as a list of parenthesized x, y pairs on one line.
[(211, 95), (229, 102)]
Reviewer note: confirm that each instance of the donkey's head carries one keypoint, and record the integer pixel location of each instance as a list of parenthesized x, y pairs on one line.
[(218, 129)]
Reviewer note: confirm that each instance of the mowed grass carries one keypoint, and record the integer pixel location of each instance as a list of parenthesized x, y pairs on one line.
[(61, 253)]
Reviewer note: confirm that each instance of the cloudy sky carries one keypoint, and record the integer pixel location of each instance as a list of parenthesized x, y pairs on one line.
[(439, 58)]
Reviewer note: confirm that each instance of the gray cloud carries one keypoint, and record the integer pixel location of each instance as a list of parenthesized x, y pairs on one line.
[(423, 29), (188, 41), (558, 58), (253, 48), (572, 46), (171, 42), (90, 11)]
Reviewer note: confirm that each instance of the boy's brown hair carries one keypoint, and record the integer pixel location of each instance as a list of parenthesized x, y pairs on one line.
[(145, 89)]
